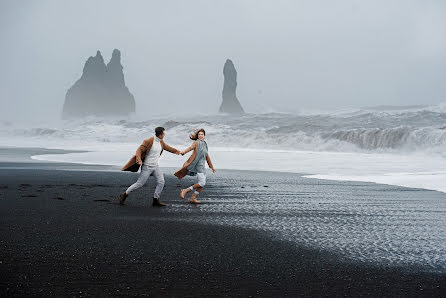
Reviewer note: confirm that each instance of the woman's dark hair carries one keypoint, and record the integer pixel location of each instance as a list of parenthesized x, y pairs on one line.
[(194, 135), (159, 131)]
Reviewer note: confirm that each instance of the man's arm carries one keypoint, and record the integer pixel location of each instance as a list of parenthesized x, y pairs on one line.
[(171, 149), (143, 149)]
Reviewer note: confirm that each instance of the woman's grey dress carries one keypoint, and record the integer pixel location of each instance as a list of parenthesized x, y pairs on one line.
[(197, 166)]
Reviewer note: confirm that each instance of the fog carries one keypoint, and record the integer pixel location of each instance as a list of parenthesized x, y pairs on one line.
[(289, 55)]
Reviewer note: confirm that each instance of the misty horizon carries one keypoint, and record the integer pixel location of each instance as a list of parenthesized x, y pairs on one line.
[(289, 56)]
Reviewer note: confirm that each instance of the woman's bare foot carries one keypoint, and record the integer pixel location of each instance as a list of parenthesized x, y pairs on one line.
[(193, 199), (184, 192)]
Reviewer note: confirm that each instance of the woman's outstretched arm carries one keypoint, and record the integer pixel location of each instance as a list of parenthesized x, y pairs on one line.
[(190, 148), (208, 159)]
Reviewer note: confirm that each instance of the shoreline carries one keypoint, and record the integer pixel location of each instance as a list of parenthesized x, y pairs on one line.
[(113, 167)]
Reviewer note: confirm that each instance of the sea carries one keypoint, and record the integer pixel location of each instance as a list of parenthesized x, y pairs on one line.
[(403, 146)]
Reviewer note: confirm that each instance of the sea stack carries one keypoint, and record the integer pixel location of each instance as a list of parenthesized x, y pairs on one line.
[(100, 91), (230, 103)]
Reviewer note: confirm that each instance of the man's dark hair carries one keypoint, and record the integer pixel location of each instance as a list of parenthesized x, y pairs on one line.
[(159, 131)]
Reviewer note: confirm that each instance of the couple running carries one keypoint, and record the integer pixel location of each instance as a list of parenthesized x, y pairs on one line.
[(147, 157)]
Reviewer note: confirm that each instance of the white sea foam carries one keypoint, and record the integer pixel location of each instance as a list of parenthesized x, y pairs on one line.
[(410, 170), (394, 146)]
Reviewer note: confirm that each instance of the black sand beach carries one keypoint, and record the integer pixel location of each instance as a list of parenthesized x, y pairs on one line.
[(63, 233)]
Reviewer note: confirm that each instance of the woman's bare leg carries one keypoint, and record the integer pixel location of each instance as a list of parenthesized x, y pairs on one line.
[(190, 188), (193, 198)]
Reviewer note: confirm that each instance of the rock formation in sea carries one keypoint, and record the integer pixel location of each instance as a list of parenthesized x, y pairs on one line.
[(230, 103), (100, 91)]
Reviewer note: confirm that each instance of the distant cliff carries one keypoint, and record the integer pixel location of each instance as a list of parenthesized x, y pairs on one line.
[(100, 91), (230, 103)]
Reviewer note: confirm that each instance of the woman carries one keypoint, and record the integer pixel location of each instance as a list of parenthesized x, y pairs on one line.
[(194, 166)]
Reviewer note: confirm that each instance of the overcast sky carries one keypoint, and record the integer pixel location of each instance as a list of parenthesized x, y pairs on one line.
[(289, 55)]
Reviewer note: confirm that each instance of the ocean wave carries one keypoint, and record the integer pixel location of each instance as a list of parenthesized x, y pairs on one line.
[(404, 137), (37, 131), (407, 129)]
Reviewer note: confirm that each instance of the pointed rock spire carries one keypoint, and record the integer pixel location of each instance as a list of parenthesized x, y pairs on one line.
[(230, 103), (94, 67), (100, 91), (114, 69)]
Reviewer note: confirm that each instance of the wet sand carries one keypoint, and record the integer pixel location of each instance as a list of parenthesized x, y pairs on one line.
[(64, 233)]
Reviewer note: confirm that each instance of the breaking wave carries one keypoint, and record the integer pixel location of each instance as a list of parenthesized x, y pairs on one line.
[(408, 129), (407, 138)]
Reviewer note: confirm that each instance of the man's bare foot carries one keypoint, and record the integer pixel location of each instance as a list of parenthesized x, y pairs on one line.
[(122, 198), (184, 192), (157, 203)]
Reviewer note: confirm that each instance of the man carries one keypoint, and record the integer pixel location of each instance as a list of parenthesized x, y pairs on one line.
[(147, 157)]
